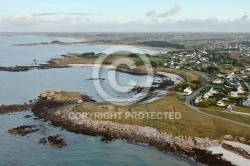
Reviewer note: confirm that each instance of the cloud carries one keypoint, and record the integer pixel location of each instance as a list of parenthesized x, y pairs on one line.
[(172, 11), (85, 24), (244, 17), (151, 13), (36, 21), (64, 13), (23, 20), (47, 14), (82, 14)]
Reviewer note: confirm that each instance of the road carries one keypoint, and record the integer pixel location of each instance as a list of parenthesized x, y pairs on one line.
[(197, 109)]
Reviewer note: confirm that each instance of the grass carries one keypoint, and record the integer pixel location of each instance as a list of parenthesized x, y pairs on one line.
[(181, 99), (186, 74), (239, 118), (216, 108), (242, 109), (190, 124), (75, 59), (158, 59)]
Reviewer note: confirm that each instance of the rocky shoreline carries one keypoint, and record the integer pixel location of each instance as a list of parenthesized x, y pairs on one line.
[(57, 113), (4, 109), (51, 64), (55, 107)]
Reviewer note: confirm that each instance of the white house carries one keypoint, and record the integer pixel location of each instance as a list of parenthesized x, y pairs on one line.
[(219, 75), (233, 94), (177, 67), (212, 91), (240, 90), (230, 75), (217, 81), (188, 91), (206, 96), (246, 103), (198, 100), (221, 103), (225, 99)]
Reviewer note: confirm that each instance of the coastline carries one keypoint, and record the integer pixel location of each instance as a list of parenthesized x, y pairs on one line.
[(56, 109), (194, 148), (51, 64), (108, 130), (158, 50)]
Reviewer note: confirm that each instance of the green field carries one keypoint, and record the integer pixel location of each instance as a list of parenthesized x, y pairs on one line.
[(239, 118), (190, 124), (242, 109)]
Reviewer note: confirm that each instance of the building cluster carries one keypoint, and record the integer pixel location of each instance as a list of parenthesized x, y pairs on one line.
[(206, 96), (233, 84)]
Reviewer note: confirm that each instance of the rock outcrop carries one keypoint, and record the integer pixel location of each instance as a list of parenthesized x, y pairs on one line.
[(23, 130), (64, 96), (4, 109)]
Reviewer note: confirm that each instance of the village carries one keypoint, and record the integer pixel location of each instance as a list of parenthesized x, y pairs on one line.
[(224, 70)]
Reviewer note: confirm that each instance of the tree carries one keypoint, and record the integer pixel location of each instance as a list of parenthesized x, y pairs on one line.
[(153, 63), (139, 63), (204, 104), (160, 63), (196, 82), (180, 86), (212, 69), (133, 55)]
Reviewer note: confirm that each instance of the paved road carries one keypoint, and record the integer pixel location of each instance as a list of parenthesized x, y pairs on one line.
[(197, 109)]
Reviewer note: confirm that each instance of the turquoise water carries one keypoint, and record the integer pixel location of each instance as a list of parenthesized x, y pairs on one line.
[(81, 150)]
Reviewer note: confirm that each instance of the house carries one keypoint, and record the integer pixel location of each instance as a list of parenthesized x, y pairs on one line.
[(221, 103), (246, 103), (213, 91), (210, 94), (240, 90), (230, 75), (206, 96), (188, 91), (233, 94), (217, 81), (219, 75), (198, 100), (233, 82)]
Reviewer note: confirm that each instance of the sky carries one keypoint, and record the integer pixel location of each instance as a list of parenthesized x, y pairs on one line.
[(124, 16)]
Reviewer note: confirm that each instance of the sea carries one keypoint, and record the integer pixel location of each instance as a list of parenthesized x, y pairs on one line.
[(20, 87)]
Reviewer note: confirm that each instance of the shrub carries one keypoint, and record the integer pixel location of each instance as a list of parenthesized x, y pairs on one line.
[(204, 104)]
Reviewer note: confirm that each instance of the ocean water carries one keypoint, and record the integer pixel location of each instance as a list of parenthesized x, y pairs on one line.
[(20, 87), (81, 149), (25, 55)]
